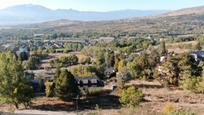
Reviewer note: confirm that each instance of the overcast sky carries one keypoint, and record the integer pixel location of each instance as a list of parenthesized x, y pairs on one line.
[(107, 5)]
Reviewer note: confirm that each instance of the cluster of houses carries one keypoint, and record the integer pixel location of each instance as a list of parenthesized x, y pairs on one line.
[(197, 55), (14, 45), (39, 77)]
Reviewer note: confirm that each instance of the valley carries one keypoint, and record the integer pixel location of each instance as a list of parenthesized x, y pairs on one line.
[(128, 62)]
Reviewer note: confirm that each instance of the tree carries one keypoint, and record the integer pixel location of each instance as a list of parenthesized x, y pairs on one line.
[(23, 94), (169, 72), (121, 65), (14, 87), (197, 46), (122, 76), (100, 60), (154, 58), (23, 56), (109, 58), (139, 67), (32, 63), (145, 44), (49, 88), (131, 96), (66, 85), (163, 48), (189, 66), (64, 61), (191, 74)]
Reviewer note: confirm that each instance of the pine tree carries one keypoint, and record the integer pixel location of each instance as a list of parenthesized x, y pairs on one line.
[(14, 87), (163, 48), (66, 85)]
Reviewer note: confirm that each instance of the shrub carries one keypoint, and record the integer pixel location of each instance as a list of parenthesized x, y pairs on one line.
[(85, 60), (131, 96), (83, 70), (170, 109), (49, 89), (97, 91), (64, 61), (194, 84), (200, 87)]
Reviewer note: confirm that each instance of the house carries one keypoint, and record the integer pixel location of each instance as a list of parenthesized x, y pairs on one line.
[(23, 49), (38, 35), (38, 78), (106, 39), (37, 84), (198, 55), (9, 46), (89, 81), (110, 72), (23, 53), (163, 58)]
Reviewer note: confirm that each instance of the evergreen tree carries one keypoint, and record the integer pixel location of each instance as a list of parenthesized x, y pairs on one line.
[(109, 58), (23, 56), (66, 85), (14, 87), (163, 48)]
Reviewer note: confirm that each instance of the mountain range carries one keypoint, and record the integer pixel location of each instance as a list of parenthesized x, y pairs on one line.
[(26, 14), (179, 22)]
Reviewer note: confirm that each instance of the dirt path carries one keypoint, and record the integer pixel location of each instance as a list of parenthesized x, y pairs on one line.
[(37, 112)]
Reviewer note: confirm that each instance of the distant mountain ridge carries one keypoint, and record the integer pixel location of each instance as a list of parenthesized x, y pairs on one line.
[(26, 14), (186, 11)]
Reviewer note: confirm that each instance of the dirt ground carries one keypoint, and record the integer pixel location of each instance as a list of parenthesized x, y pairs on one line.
[(156, 97)]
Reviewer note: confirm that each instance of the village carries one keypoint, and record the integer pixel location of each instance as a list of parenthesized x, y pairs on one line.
[(109, 57), (100, 71)]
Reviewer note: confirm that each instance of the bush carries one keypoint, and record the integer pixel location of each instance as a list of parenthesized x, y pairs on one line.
[(49, 89), (85, 60), (194, 84), (131, 96), (200, 87), (170, 109), (64, 61), (83, 70), (97, 91)]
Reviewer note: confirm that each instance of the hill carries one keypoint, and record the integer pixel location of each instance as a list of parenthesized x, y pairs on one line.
[(25, 14), (184, 21), (186, 11)]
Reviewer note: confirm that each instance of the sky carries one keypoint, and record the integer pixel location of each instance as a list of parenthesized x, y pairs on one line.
[(107, 5)]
